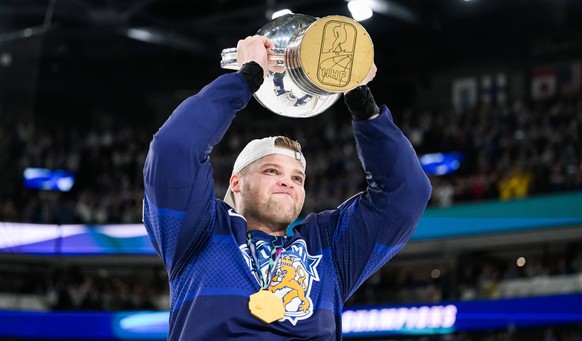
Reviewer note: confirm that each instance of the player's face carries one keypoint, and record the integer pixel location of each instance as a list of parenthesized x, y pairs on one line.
[(272, 190)]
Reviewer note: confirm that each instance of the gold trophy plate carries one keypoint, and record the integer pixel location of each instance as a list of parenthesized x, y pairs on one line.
[(336, 53)]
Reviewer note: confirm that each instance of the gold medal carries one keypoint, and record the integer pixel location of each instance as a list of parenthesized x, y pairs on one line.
[(266, 306)]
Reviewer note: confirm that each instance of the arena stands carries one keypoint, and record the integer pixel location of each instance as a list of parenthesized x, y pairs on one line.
[(108, 190), (510, 152)]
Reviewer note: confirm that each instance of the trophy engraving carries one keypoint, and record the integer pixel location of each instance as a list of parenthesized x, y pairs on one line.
[(336, 57)]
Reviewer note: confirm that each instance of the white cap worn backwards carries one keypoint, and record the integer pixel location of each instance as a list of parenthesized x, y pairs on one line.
[(255, 150)]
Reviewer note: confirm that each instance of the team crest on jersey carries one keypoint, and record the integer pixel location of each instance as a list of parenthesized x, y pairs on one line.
[(292, 279)]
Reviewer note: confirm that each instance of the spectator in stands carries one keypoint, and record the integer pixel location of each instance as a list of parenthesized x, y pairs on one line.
[(443, 192), (544, 139), (514, 184)]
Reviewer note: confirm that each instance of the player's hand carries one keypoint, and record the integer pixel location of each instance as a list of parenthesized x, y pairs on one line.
[(254, 48), (370, 75), (360, 101)]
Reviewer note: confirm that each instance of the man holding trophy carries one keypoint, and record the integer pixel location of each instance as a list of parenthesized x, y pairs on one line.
[(234, 272)]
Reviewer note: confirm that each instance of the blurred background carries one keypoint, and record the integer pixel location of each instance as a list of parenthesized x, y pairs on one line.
[(488, 92)]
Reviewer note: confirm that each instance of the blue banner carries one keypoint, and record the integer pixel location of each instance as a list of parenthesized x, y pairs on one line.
[(463, 316), (443, 318)]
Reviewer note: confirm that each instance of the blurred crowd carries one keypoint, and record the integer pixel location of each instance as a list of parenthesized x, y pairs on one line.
[(118, 285), (470, 277), (107, 164), (509, 152), (109, 287)]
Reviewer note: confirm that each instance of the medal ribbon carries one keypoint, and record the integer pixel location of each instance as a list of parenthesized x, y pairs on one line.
[(276, 248)]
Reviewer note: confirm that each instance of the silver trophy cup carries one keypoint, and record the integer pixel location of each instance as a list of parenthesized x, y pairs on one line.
[(321, 59)]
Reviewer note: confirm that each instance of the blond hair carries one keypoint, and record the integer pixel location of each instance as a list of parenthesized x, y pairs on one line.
[(285, 142)]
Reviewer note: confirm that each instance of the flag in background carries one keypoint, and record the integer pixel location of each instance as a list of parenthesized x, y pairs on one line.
[(464, 93), (570, 79), (543, 84), (494, 89)]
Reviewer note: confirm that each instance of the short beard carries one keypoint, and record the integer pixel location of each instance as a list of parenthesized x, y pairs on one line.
[(270, 213), (286, 217)]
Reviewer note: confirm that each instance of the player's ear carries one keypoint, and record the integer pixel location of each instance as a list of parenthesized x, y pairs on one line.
[(235, 183)]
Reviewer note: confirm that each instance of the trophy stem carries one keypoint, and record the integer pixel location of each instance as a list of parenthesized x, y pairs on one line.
[(294, 67)]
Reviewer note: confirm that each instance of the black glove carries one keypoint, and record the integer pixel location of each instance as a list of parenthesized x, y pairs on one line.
[(361, 103), (253, 74)]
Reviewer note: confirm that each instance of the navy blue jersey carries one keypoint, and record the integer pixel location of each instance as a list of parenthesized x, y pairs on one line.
[(203, 241)]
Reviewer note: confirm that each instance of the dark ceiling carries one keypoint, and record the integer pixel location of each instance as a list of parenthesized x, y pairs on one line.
[(85, 50)]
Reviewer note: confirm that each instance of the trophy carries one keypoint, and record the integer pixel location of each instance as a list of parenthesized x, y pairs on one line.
[(320, 59)]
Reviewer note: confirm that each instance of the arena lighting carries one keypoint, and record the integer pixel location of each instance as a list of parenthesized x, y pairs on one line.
[(23, 34), (48, 179), (5, 59), (165, 38), (441, 163), (142, 323), (280, 13), (140, 34), (392, 9), (360, 10)]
